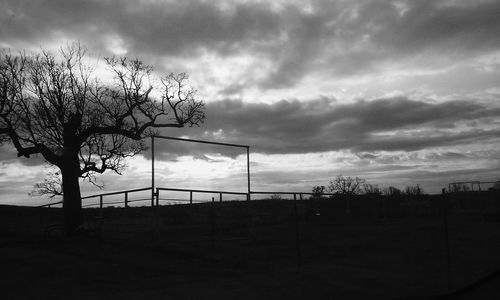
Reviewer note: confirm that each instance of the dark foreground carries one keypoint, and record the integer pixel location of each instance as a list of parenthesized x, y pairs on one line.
[(361, 248)]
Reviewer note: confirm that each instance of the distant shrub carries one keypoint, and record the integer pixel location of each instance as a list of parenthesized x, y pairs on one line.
[(371, 189), (346, 185), (414, 190), (276, 197), (458, 187), (318, 191), (495, 187), (391, 191)]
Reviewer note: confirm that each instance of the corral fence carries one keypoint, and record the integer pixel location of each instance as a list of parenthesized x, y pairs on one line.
[(401, 245), (174, 196)]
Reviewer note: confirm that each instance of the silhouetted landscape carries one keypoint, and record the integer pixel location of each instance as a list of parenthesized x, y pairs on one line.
[(381, 247), (249, 149)]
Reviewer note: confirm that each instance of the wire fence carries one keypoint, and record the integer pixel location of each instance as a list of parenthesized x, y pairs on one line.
[(400, 246)]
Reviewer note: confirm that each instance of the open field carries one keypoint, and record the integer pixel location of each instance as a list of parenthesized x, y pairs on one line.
[(357, 248)]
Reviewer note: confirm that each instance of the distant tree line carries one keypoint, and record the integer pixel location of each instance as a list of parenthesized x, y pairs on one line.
[(347, 185)]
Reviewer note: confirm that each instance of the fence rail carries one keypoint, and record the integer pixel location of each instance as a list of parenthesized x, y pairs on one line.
[(156, 199), (126, 201)]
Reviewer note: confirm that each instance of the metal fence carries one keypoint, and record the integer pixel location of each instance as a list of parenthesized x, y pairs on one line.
[(396, 246)]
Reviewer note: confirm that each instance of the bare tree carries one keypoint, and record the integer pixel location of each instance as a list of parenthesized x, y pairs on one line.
[(414, 190), (371, 189), (345, 185), (56, 107), (318, 191), (459, 187), (391, 191), (51, 186)]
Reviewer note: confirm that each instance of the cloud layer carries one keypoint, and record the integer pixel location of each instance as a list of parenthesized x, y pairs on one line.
[(276, 45), (387, 124), (398, 91)]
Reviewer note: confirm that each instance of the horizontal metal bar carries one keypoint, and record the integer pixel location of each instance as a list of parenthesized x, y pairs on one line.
[(289, 193), (474, 182), (139, 200), (115, 202), (201, 191), (173, 199), (463, 182), (200, 141), (116, 193), (186, 190), (50, 204)]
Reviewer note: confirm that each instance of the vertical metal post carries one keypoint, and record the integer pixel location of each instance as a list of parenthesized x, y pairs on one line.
[(297, 235), (444, 209), (157, 197), (190, 197), (126, 206), (212, 227), (152, 170), (248, 171), (220, 197), (100, 204)]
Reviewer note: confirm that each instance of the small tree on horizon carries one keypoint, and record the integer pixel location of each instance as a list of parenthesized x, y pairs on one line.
[(345, 185), (458, 188), (414, 190), (55, 106), (371, 189), (318, 191), (391, 191)]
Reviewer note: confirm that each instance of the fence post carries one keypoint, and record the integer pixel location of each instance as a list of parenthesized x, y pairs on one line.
[(446, 241), (100, 205), (297, 236), (157, 195), (212, 227), (126, 207), (300, 196), (220, 197)]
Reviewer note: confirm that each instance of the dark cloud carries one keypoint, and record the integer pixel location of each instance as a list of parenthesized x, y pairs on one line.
[(344, 38), (146, 27), (384, 124), (433, 24)]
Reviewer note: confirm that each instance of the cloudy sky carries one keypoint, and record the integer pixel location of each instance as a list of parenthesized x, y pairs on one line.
[(397, 92)]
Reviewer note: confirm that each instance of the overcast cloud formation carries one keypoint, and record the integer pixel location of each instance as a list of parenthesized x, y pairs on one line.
[(376, 83)]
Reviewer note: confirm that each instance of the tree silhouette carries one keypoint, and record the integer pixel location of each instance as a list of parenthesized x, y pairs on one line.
[(56, 107), (371, 189), (345, 185), (318, 191), (414, 190), (51, 186), (392, 191), (459, 187)]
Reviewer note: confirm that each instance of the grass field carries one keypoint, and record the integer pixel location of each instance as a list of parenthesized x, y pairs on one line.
[(357, 248)]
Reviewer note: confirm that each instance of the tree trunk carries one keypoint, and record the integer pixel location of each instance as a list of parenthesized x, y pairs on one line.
[(72, 199)]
